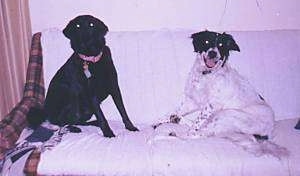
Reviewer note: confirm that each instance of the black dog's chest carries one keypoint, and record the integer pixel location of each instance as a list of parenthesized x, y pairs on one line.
[(96, 75), (99, 83)]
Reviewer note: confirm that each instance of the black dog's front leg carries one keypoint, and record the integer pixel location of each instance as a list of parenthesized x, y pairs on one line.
[(117, 97), (298, 125), (103, 124), (71, 111)]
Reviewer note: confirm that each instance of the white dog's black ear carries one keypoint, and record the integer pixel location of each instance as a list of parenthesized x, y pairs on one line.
[(230, 42), (196, 40), (233, 46)]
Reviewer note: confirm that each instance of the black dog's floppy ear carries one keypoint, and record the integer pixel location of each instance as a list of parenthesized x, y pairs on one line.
[(230, 42), (101, 26), (69, 29)]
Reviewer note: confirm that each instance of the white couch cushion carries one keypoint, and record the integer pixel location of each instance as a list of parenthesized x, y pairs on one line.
[(143, 153)]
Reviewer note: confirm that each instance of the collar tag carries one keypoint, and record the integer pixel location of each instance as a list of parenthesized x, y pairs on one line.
[(86, 69), (87, 73)]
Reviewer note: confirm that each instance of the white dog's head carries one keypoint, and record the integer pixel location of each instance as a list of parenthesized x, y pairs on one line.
[(213, 48)]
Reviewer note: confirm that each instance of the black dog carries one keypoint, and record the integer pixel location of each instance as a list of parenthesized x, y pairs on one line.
[(86, 79)]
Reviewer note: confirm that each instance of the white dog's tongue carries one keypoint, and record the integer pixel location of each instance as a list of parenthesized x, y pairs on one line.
[(210, 63)]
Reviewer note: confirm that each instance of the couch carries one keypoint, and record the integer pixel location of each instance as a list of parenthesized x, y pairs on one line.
[(152, 69)]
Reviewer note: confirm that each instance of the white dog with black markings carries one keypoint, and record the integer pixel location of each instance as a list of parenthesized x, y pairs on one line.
[(220, 102)]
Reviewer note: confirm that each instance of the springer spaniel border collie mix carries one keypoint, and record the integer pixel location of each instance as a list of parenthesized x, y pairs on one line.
[(219, 101)]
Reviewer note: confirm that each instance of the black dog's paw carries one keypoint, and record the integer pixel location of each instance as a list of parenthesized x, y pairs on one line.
[(109, 134), (73, 129), (132, 128), (129, 126), (106, 130)]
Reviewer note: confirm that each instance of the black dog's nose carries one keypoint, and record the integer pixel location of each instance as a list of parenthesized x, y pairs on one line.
[(212, 54)]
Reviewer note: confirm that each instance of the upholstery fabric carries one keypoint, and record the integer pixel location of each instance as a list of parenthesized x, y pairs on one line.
[(13, 124)]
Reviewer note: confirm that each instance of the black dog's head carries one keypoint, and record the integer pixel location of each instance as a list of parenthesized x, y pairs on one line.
[(86, 34), (213, 47)]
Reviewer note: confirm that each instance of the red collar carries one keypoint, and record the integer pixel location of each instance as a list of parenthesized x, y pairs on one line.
[(93, 59)]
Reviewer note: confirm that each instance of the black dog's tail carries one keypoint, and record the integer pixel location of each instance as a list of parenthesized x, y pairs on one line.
[(35, 117)]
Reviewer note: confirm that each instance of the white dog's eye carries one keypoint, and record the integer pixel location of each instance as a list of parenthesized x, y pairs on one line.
[(220, 44), (91, 24), (77, 25), (206, 41)]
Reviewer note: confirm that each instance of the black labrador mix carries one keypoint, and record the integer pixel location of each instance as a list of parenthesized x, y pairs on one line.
[(85, 80)]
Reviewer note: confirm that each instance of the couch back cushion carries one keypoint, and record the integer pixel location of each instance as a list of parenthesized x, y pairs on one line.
[(152, 68)]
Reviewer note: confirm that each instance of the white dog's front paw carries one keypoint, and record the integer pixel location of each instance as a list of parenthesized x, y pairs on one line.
[(174, 118), (171, 118)]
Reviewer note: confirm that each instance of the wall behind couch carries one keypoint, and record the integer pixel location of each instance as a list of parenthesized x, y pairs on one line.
[(121, 15)]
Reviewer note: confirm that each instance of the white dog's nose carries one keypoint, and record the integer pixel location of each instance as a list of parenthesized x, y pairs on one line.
[(212, 54)]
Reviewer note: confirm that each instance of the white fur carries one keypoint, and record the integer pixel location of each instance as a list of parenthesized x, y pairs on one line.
[(224, 102)]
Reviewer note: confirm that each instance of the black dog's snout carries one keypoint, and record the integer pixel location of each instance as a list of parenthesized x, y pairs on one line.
[(212, 54)]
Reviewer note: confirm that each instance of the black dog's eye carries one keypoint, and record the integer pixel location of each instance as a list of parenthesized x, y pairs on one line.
[(206, 42), (92, 24), (220, 44), (77, 25)]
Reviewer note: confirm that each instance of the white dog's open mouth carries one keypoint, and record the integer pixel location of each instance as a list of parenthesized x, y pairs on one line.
[(210, 62)]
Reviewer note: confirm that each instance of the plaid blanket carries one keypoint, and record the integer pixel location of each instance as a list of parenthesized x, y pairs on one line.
[(34, 94)]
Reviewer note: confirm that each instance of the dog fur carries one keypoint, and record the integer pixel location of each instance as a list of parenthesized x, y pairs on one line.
[(222, 100), (219, 102), (79, 86)]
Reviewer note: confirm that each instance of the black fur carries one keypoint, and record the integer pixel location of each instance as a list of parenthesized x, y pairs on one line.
[(73, 98), (298, 125), (35, 117)]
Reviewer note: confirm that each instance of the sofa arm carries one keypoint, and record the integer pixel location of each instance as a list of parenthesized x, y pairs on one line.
[(34, 86), (13, 123)]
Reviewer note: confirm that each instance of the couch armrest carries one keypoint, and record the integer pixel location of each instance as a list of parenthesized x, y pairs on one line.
[(13, 123), (34, 86)]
